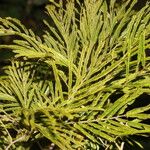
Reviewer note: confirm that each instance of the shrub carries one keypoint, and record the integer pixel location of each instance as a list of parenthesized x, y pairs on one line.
[(77, 84)]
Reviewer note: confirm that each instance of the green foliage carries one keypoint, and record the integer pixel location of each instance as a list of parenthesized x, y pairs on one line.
[(74, 86)]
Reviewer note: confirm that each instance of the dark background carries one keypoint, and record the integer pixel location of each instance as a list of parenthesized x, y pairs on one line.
[(30, 12)]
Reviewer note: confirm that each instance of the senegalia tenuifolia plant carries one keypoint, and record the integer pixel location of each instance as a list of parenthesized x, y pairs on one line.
[(76, 85)]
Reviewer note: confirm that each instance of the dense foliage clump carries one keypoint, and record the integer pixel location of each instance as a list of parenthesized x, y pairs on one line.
[(76, 86)]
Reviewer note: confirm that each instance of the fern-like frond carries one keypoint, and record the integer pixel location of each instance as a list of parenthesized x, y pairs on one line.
[(75, 85)]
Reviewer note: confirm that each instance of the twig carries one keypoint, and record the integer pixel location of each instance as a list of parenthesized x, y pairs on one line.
[(13, 142)]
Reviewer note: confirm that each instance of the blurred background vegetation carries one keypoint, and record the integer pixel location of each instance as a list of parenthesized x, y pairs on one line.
[(30, 12)]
